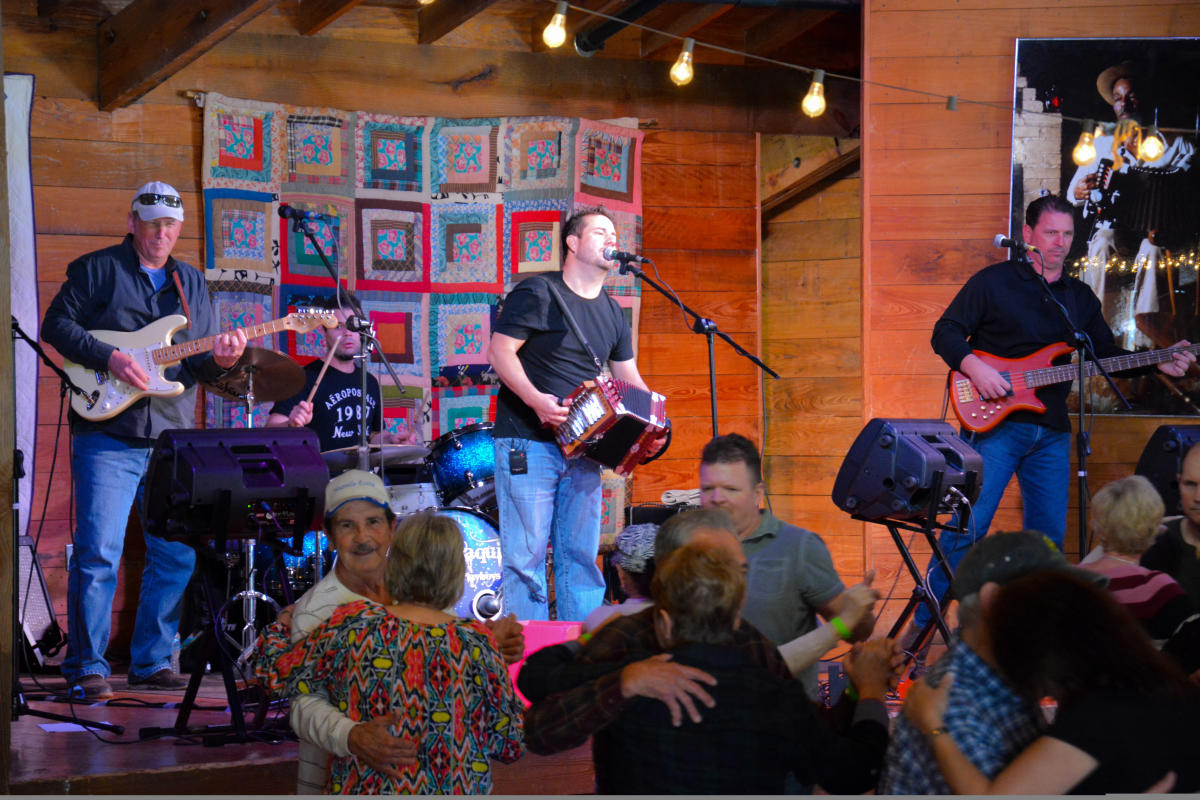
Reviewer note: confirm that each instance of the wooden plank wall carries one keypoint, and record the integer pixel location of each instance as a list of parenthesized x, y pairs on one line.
[(812, 304), (935, 185), (700, 220)]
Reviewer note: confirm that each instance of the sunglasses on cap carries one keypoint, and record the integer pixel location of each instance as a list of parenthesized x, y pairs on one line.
[(154, 199)]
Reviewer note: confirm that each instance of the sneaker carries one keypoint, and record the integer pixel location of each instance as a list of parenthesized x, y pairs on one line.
[(163, 679), (92, 687)]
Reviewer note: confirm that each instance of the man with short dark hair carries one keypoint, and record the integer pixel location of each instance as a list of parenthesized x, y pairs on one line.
[(125, 288), (1003, 310), (762, 726), (792, 578), (1176, 550), (543, 497)]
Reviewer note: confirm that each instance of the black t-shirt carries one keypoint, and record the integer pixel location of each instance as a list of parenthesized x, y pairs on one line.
[(337, 407), (553, 357), (1136, 739)]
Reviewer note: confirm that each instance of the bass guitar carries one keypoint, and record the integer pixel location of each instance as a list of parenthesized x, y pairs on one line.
[(1032, 372), (105, 396)]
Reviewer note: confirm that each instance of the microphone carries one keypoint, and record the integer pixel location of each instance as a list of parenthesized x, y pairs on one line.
[(1003, 241), (288, 212), (611, 254)]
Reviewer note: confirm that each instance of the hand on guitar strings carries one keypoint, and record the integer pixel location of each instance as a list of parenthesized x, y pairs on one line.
[(122, 366), (1180, 360), (987, 380), (229, 347)]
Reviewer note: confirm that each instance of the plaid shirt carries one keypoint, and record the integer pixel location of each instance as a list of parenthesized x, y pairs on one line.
[(990, 723), (573, 697)]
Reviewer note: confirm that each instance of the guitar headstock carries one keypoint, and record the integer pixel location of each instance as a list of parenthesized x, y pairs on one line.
[(307, 319)]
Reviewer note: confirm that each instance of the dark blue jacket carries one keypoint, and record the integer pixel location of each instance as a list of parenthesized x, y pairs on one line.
[(107, 290)]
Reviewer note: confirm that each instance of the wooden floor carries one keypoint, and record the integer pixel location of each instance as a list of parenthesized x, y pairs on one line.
[(50, 757)]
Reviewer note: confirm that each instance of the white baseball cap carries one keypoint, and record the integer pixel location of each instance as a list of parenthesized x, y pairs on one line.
[(157, 199), (354, 484)]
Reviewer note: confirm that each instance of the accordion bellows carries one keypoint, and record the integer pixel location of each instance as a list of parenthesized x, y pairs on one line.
[(612, 422)]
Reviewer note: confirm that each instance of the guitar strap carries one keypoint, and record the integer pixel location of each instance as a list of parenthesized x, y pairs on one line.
[(562, 304), (182, 297)]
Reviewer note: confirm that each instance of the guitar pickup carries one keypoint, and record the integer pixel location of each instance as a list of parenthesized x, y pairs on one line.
[(964, 390), (101, 377)]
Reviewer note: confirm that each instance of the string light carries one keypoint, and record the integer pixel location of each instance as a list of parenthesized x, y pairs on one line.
[(813, 103), (1188, 260), (1152, 145), (555, 33), (681, 70), (425, 2), (1085, 149)]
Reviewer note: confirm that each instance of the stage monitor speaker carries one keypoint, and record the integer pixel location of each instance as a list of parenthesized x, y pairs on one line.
[(657, 513), (1162, 460), (240, 483), (43, 636), (891, 468)]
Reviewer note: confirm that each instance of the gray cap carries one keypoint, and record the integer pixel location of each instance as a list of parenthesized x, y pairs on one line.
[(1003, 557), (635, 547)]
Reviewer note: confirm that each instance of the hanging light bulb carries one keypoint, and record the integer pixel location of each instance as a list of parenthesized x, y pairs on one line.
[(1152, 145), (681, 71), (1085, 151), (813, 103), (555, 32), (425, 2)]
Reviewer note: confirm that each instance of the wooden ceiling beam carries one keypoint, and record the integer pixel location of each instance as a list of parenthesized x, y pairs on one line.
[(807, 178), (150, 40), (313, 15), (441, 18), (781, 28), (685, 24)]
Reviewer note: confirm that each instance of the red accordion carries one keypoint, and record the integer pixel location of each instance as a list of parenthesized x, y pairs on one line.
[(612, 422)]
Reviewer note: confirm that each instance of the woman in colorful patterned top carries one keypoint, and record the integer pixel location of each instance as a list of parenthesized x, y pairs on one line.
[(444, 675)]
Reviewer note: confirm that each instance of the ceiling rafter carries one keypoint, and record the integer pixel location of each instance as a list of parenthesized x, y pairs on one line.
[(685, 24), (313, 15), (443, 17)]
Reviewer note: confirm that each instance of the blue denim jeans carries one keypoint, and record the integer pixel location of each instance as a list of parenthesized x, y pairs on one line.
[(557, 501), (109, 474), (1041, 459)]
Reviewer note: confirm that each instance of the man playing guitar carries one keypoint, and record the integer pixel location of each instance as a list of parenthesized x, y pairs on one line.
[(1004, 311)]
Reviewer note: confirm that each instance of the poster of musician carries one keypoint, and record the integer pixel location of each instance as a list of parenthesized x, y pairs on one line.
[(1114, 130)]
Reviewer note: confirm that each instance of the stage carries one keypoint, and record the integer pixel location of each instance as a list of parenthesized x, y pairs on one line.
[(49, 757)]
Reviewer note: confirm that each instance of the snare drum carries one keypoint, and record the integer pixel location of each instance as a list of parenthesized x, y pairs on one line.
[(409, 498), (482, 598), (464, 465)]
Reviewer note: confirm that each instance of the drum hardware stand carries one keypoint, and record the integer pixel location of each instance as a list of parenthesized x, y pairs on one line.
[(20, 707), (928, 526), (700, 325)]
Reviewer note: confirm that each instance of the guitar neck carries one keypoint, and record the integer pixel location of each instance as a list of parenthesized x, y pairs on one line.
[(177, 352), (1048, 376)]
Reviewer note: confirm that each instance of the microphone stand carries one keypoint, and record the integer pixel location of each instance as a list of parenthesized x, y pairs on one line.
[(1083, 349), (360, 324), (699, 325)]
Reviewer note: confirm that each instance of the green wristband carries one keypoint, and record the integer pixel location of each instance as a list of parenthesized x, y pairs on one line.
[(842, 631), (851, 692)]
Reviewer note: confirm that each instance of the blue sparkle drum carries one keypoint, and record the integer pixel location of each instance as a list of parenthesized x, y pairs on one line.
[(463, 463), (300, 572), (482, 598)]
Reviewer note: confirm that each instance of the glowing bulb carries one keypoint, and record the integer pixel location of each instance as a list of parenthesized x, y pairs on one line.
[(813, 103), (1152, 146), (681, 71), (1085, 151), (556, 31), (425, 2)]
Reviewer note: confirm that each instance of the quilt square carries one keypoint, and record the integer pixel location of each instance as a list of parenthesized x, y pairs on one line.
[(606, 165), (460, 327), (242, 144), (457, 407), (393, 246), (535, 242), (537, 153), (316, 149), (237, 240), (464, 251), (401, 321), (407, 410), (238, 305), (614, 490), (301, 257), (465, 157), (390, 152)]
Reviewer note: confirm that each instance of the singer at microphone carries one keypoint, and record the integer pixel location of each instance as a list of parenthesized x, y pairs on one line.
[(1016, 244), (611, 254)]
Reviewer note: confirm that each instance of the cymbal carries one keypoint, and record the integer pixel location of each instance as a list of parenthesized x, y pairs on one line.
[(275, 377), (345, 458)]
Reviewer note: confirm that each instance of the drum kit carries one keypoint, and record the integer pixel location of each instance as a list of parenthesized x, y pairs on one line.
[(454, 475)]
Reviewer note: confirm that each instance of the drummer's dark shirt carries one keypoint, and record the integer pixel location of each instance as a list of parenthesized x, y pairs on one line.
[(337, 407)]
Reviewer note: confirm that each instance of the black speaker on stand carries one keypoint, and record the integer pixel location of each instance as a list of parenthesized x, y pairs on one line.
[(1162, 460), (903, 474)]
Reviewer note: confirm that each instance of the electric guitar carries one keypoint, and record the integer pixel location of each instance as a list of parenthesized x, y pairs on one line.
[(1033, 371), (106, 396)]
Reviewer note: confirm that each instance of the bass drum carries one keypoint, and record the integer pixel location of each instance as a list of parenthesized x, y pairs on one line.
[(482, 596), (463, 463)]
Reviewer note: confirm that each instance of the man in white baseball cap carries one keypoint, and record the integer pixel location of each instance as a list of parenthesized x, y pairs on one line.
[(158, 200)]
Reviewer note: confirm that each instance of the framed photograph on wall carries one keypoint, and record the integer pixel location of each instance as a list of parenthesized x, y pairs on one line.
[(1113, 126)]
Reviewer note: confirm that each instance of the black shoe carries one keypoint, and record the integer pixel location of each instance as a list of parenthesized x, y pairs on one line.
[(163, 679), (92, 687)]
